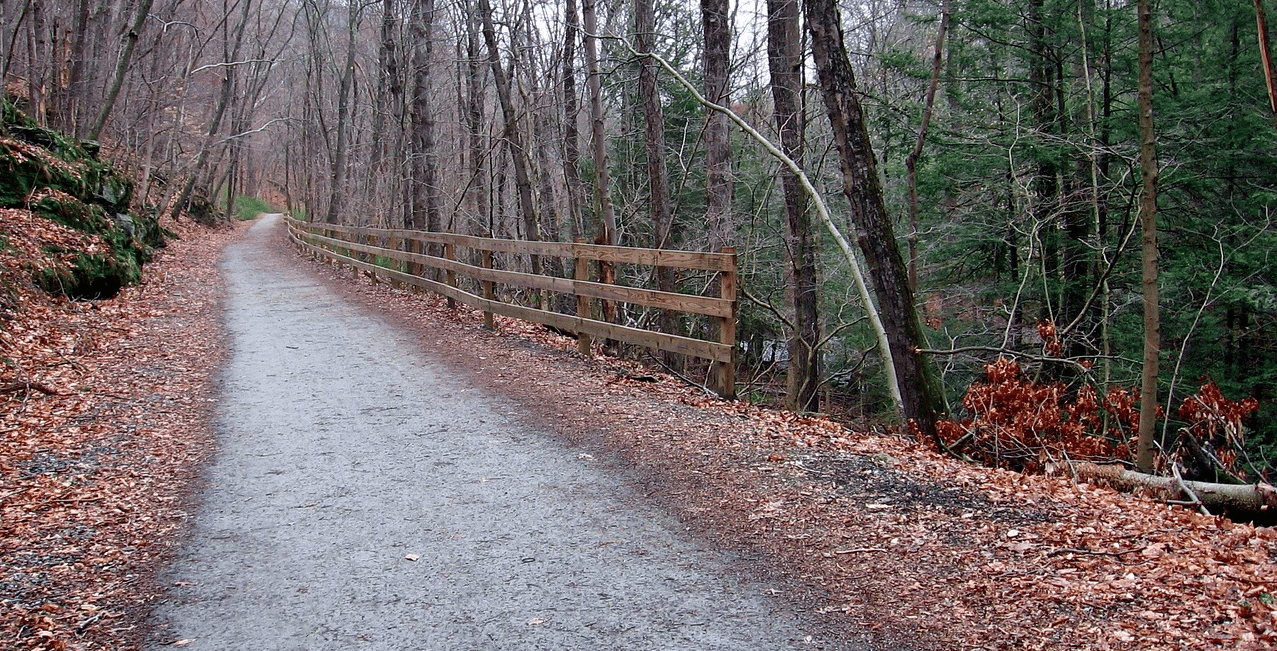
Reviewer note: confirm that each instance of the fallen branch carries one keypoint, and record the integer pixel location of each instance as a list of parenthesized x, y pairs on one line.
[(859, 550), (1192, 495), (28, 386), (1244, 498)]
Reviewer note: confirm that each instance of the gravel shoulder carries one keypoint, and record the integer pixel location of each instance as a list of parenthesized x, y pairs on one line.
[(368, 494)]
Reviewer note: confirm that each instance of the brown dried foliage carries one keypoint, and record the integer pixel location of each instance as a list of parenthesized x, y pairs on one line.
[(1214, 424), (1019, 424), (102, 413)]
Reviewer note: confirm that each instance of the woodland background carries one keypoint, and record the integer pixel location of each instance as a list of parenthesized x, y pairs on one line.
[(1016, 209)]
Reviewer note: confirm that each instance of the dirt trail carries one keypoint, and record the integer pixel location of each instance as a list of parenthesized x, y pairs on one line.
[(367, 497)]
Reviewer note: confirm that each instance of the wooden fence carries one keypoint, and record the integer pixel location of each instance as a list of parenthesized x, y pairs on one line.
[(431, 261)]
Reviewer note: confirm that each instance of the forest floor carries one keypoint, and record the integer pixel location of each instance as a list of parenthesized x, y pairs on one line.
[(107, 418)]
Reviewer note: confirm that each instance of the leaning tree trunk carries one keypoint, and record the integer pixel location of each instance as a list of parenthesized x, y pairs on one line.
[(121, 67), (920, 392), (513, 137), (784, 58)]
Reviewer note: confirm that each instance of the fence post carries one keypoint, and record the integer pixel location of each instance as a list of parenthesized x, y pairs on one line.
[(727, 328), (450, 252), (489, 292), (416, 268), (369, 257), (392, 243), (581, 271)]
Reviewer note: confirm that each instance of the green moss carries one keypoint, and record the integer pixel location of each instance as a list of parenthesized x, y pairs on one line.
[(93, 197)]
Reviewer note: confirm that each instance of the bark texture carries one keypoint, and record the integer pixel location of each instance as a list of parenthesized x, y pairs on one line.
[(784, 60), (1148, 242), (920, 391), (716, 20)]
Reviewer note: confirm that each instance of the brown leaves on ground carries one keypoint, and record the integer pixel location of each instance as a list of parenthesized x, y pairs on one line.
[(875, 533), (868, 531), (104, 408)]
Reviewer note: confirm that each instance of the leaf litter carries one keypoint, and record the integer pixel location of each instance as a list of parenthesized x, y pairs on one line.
[(867, 529), (107, 421), (104, 424)]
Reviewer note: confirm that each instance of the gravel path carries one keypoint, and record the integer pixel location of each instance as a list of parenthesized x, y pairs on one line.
[(366, 497)]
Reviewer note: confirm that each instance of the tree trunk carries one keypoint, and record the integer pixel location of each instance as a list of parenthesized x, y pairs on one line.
[(1266, 56), (1148, 241), (911, 161), (479, 186), (425, 169), (607, 230), (121, 67), (73, 93), (662, 212), (716, 20), (389, 96), (39, 68), (571, 139), (784, 59), (230, 53), (337, 191), (513, 137), (1244, 499), (919, 388)]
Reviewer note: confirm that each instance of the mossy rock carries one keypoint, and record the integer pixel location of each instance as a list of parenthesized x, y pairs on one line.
[(58, 162), (73, 213), (202, 211), (90, 276), (22, 172), (92, 197)]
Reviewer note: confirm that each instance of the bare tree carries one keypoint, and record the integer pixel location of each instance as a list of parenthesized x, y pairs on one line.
[(513, 136), (121, 66), (661, 210), (425, 169), (607, 229), (571, 112)]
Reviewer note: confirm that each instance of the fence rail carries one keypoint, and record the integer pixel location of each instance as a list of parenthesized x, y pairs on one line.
[(410, 257)]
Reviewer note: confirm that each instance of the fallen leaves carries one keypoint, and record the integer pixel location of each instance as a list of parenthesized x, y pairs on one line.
[(101, 411), (873, 530), (877, 533)]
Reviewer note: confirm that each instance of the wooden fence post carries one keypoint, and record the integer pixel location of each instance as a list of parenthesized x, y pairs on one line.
[(727, 329), (450, 252), (416, 268), (392, 243), (581, 272), (367, 239), (489, 291)]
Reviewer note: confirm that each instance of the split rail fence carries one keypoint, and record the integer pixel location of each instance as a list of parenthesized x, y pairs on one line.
[(431, 261)]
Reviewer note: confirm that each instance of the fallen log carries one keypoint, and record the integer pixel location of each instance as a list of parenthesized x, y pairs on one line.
[(1255, 499)]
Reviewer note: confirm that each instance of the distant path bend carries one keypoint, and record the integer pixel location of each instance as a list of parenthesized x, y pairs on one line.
[(365, 497)]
